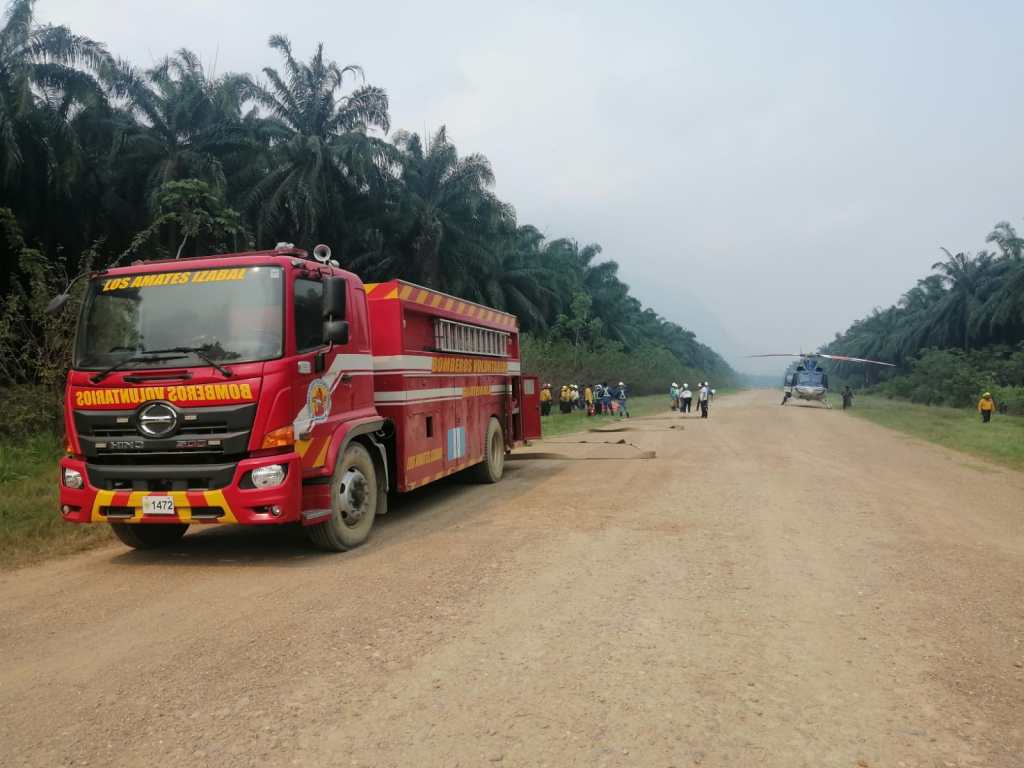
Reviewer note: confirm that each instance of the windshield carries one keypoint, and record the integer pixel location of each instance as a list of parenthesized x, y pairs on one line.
[(811, 379), (229, 315)]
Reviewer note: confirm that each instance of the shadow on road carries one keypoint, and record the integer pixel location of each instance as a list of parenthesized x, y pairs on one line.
[(452, 501)]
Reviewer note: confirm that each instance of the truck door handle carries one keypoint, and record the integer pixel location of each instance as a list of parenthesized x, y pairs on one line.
[(346, 378)]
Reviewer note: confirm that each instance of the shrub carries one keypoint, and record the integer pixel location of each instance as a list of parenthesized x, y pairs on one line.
[(956, 378)]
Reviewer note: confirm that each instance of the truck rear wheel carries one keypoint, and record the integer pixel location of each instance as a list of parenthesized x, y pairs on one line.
[(492, 467), (142, 536), (355, 496)]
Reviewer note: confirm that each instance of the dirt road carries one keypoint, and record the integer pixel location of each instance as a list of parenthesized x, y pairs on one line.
[(780, 587)]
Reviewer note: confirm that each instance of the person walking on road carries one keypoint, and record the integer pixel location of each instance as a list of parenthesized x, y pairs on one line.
[(685, 399), (705, 393), (847, 397), (986, 406), (623, 406), (673, 396)]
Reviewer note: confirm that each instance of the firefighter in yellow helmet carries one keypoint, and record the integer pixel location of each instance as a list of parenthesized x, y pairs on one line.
[(545, 400), (986, 406), (565, 399)]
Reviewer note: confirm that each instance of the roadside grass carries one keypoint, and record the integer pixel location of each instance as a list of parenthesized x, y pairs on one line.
[(1001, 440), (577, 421), (30, 525)]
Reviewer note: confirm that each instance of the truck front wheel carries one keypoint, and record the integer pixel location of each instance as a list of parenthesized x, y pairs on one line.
[(141, 536), (492, 467), (355, 495)]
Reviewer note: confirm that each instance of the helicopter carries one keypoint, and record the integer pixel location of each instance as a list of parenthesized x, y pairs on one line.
[(806, 378)]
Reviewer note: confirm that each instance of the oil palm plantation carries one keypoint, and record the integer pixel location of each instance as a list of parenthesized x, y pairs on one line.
[(50, 79), (513, 276), (450, 215), (185, 123), (46, 74), (578, 265), (966, 280), (324, 157)]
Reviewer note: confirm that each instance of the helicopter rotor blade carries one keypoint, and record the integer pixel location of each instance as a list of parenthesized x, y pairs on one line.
[(840, 358), (846, 359)]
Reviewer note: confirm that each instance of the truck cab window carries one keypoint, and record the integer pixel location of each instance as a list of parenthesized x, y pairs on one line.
[(309, 296)]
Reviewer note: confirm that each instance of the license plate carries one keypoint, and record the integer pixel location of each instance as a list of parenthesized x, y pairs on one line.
[(157, 505)]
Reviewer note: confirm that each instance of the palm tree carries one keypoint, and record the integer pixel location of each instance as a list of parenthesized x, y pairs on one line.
[(450, 212), (1011, 245), (322, 152), (599, 279), (514, 277), (42, 83), (50, 80), (1003, 310), (966, 280), (187, 123)]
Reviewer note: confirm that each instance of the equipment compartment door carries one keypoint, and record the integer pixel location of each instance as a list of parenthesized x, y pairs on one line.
[(530, 407)]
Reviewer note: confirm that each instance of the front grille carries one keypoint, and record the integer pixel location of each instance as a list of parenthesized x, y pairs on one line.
[(203, 429), (127, 430), (114, 431), (160, 477), (205, 435)]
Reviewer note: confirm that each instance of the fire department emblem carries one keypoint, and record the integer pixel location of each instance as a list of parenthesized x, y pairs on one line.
[(318, 401)]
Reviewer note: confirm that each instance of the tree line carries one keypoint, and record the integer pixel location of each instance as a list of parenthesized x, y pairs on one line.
[(102, 161), (958, 331)]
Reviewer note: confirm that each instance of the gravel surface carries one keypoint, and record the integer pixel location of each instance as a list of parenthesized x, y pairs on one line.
[(779, 587)]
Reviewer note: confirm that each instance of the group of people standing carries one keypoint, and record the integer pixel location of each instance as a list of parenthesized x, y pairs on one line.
[(597, 400), (682, 398)]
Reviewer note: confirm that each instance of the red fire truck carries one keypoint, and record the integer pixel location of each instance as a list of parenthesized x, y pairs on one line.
[(272, 387)]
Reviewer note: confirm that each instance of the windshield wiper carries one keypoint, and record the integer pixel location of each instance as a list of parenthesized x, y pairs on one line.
[(199, 352), (142, 357)]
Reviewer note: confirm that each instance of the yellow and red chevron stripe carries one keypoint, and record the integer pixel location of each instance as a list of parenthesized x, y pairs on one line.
[(414, 294), (313, 452), (184, 501)]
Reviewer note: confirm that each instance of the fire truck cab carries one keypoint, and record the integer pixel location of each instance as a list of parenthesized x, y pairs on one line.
[(270, 387)]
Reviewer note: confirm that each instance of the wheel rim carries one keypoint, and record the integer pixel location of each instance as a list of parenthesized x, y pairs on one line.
[(353, 497), (497, 451)]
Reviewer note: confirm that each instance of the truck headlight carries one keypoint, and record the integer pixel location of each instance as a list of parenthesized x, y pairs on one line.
[(72, 478), (269, 476)]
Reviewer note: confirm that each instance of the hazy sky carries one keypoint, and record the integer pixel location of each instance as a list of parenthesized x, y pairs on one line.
[(764, 173)]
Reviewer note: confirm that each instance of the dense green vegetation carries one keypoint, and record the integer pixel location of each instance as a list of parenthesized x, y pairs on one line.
[(102, 162), (957, 333), (29, 523), (1001, 440)]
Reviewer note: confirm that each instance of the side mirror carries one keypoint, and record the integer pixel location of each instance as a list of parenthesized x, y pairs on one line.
[(335, 294), (336, 332), (57, 303)]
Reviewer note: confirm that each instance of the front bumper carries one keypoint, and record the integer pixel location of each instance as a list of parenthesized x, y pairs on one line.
[(228, 504)]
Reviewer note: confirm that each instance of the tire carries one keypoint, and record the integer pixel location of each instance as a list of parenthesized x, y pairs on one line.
[(356, 498), (146, 536), (492, 467)]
